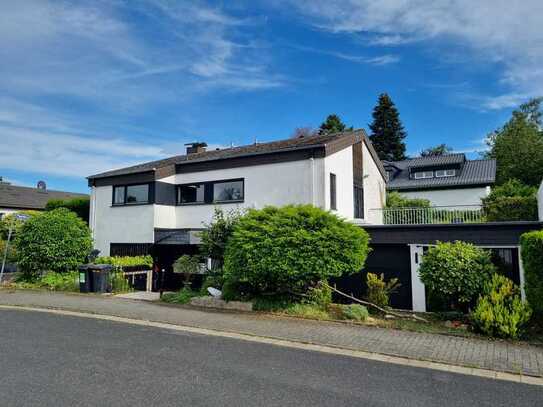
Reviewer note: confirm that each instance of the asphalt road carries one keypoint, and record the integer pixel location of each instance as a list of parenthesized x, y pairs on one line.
[(52, 360)]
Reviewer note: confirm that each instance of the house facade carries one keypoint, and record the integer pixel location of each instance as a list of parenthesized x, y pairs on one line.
[(165, 203), (14, 198), (447, 180)]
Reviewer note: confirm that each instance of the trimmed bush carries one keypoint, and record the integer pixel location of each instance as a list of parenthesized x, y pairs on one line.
[(457, 271), (81, 206), (125, 261), (511, 201), (56, 241), (500, 311), (378, 291), (290, 249), (532, 259)]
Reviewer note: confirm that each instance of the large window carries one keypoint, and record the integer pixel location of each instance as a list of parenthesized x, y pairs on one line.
[(210, 192), (228, 191), (131, 194), (194, 193), (333, 194)]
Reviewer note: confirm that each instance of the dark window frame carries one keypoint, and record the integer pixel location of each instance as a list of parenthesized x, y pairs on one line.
[(208, 192), (125, 186), (358, 193), (333, 191)]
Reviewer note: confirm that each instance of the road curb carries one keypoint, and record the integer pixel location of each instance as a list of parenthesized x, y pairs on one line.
[(398, 360)]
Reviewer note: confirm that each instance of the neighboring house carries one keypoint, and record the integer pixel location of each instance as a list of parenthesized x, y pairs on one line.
[(165, 203), (14, 198), (446, 180)]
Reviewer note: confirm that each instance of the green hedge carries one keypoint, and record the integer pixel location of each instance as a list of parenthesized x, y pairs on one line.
[(81, 206), (126, 261), (511, 201), (532, 259)]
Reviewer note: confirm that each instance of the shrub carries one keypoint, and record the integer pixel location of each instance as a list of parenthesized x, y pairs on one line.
[(511, 201), (355, 312), (532, 259), (500, 312), (186, 265), (11, 256), (290, 249), (457, 271), (125, 261), (53, 241), (215, 235), (397, 200), (379, 290), (81, 206), (321, 296)]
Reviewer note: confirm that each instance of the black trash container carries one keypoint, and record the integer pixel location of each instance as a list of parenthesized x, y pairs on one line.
[(94, 278), (85, 280), (100, 277)]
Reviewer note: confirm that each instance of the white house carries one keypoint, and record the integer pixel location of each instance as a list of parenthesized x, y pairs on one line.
[(166, 202), (447, 180)]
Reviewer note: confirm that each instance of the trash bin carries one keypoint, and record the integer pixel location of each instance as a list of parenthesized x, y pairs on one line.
[(94, 278), (100, 277), (84, 279)]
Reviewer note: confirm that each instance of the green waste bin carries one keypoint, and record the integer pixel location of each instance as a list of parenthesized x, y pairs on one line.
[(85, 280)]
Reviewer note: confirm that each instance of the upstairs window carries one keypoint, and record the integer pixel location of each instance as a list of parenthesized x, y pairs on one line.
[(228, 191), (210, 192), (131, 194), (423, 174), (445, 173), (194, 193), (333, 194)]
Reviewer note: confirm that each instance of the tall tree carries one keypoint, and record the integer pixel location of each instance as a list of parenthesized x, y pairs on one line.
[(440, 149), (518, 146), (387, 132), (333, 124)]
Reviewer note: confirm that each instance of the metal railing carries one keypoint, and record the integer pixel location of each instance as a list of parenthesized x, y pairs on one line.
[(432, 215)]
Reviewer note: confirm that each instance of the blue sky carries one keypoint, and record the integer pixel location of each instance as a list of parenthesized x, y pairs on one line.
[(90, 86)]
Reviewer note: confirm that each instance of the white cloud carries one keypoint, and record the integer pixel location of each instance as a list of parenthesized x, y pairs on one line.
[(359, 59), (101, 52), (507, 34)]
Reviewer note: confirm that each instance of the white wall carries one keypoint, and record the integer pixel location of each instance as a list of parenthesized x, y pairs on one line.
[(341, 164), (295, 182), (123, 224), (540, 201), (374, 188), (448, 197)]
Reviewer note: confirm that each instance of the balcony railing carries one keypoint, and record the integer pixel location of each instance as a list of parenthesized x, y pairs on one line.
[(431, 215)]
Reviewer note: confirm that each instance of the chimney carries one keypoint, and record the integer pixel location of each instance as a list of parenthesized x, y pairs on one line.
[(194, 148)]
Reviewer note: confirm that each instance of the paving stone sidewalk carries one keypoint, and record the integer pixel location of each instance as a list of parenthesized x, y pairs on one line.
[(493, 355)]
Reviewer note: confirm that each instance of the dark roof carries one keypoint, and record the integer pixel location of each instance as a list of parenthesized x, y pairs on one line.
[(469, 172), (279, 146), (12, 196), (419, 162)]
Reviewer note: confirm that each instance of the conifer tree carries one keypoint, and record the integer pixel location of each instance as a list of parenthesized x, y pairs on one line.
[(387, 132), (333, 124)]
